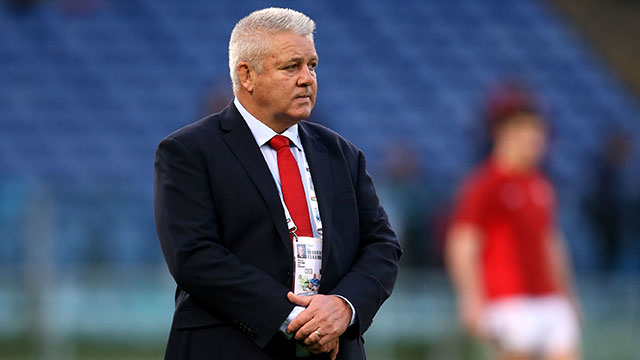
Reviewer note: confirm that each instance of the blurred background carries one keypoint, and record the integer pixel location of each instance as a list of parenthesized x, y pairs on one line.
[(89, 87)]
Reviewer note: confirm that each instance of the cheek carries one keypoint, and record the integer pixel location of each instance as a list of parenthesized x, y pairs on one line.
[(537, 138), (285, 86), (314, 90), (536, 145)]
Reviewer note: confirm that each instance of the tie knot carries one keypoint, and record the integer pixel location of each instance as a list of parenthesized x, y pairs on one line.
[(278, 142)]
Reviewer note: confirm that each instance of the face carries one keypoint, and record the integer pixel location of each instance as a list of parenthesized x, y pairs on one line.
[(533, 140), (285, 88), (526, 139)]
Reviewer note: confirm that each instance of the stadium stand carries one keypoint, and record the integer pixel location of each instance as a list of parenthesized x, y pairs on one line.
[(85, 98)]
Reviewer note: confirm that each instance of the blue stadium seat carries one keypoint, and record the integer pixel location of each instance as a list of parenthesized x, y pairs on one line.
[(86, 99)]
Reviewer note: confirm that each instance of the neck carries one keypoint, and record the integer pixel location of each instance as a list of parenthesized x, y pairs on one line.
[(273, 122)]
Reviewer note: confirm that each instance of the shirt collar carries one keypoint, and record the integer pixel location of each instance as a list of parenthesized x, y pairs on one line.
[(261, 132)]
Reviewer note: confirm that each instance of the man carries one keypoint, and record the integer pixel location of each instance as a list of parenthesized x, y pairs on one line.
[(314, 283), (302, 252), (234, 192), (505, 254)]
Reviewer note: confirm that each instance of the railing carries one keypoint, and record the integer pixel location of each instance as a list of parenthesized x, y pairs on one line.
[(120, 313)]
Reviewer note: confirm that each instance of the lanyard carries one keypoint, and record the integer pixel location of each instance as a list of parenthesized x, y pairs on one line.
[(315, 210)]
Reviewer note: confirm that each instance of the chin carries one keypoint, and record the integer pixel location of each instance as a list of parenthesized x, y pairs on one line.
[(301, 114)]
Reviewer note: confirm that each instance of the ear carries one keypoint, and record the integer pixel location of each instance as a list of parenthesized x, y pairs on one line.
[(247, 76)]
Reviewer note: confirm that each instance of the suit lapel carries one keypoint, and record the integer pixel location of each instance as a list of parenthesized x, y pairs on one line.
[(320, 167), (241, 142)]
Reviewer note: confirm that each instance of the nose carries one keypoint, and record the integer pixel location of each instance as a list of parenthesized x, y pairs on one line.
[(307, 77)]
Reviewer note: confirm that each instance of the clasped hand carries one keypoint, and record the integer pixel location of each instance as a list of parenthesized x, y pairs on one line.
[(326, 315)]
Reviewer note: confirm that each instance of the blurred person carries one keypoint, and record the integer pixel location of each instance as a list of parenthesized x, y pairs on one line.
[(408, 201), (504, 98), (233, 193), (608, 202), (505, 253)]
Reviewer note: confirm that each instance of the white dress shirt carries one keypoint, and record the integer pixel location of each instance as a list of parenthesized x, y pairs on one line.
[(262, 134)]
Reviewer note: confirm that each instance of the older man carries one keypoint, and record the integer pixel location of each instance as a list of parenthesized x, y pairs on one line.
[(236, 190)]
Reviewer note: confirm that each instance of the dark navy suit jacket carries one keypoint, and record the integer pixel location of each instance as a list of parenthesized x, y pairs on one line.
[(222, 230)]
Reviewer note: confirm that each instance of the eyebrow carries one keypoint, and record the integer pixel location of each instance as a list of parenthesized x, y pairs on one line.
[(300, 59)]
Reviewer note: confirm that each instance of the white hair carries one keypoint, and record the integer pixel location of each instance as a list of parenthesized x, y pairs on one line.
[(248, 42)]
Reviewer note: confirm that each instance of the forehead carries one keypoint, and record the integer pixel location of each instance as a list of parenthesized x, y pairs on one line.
[(526, 122), (287, 45)]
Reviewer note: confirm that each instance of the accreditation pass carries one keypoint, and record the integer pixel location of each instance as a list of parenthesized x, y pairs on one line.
[(307, 258)]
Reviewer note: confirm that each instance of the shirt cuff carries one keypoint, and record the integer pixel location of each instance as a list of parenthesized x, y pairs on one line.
[(292, 315), (353, 310)]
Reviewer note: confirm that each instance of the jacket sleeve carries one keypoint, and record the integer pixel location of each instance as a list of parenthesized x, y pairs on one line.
[(372, 277), (239, 294)]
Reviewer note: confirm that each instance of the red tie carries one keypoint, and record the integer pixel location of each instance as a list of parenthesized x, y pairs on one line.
[(291, 183)]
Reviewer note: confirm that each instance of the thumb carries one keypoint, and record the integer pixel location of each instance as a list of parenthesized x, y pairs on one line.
[(299, 300)]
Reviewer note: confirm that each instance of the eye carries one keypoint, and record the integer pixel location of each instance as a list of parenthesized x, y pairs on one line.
[(313, 66), (291, 67)]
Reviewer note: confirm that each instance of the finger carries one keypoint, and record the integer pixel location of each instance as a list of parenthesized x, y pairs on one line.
[(313, 339), (334, 351), (307, 330), (326, 328), (308, 334), (317, 349), (299, 300), (300, 320), (325, 337), (325, 340)]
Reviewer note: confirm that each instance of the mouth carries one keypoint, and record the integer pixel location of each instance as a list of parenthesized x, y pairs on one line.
[(304, 96)]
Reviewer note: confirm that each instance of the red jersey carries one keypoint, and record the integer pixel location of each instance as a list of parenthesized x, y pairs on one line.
[(515, 214)]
